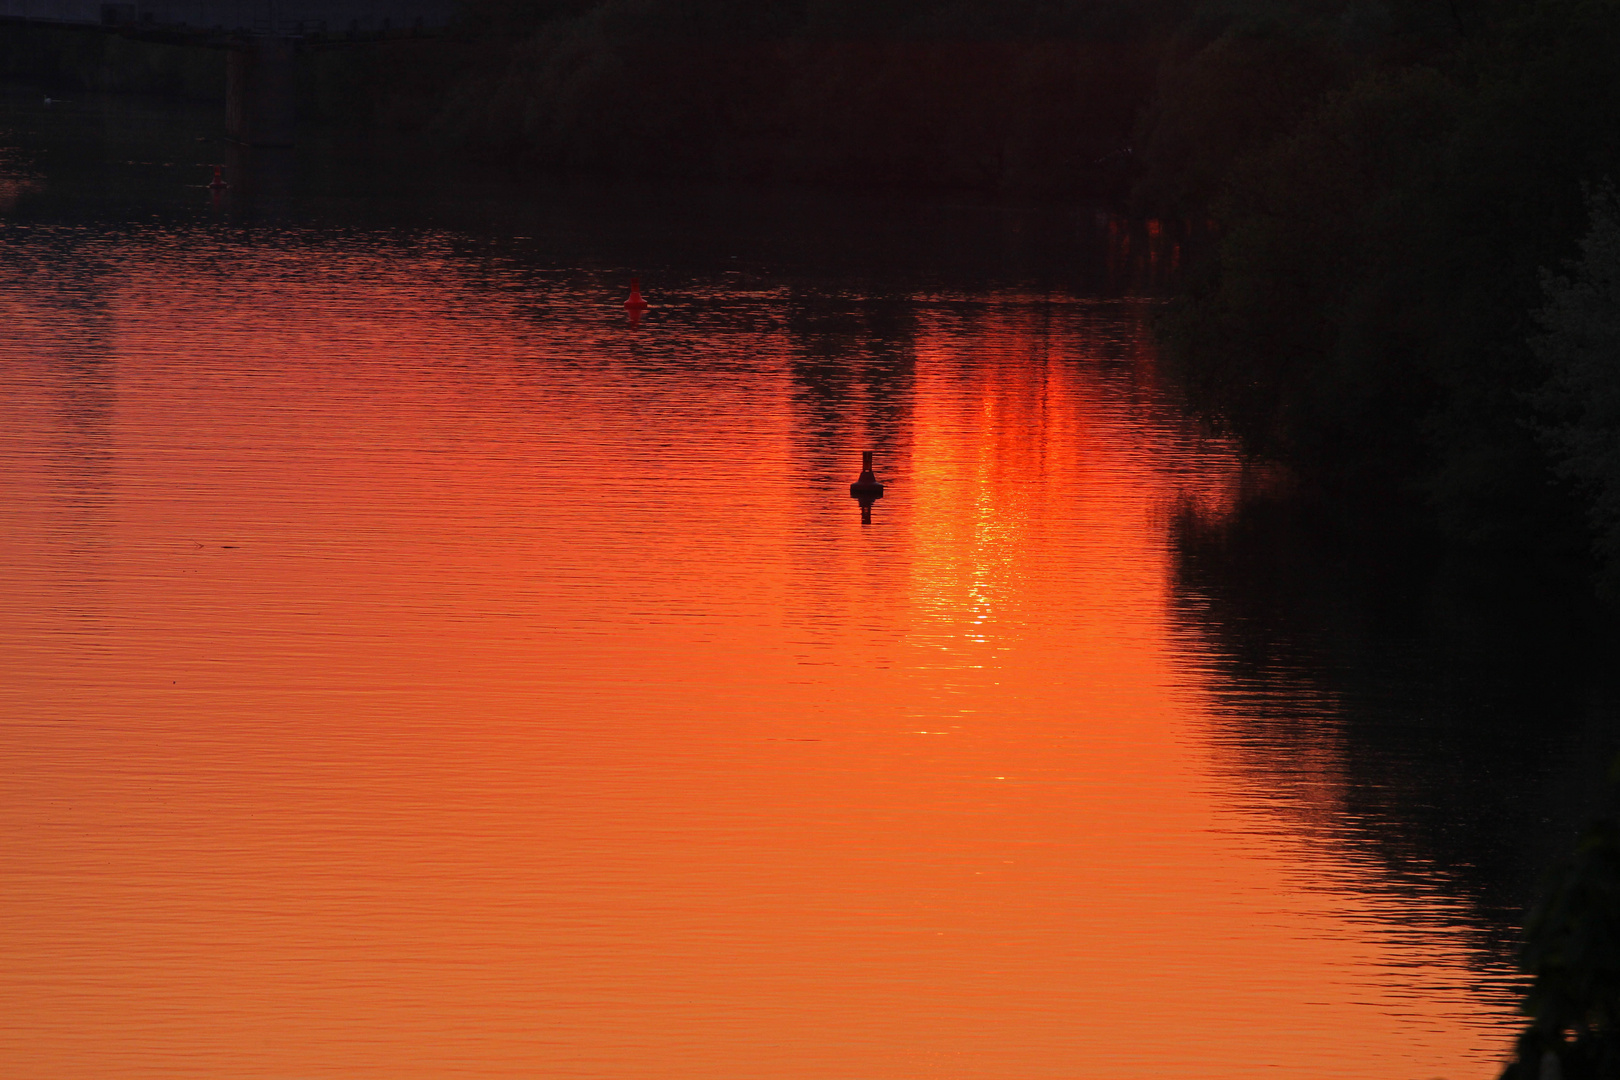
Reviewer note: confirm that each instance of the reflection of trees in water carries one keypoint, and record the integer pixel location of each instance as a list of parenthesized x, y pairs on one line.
[(1141, 256), (86, 396), (66, 323), (851, 386), (1441, 726), (853, 367)]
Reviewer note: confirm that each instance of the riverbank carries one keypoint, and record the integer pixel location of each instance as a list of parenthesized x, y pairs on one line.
[(1409, 298)]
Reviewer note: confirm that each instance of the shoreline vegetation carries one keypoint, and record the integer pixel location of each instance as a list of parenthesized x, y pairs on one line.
[(1414, 295)]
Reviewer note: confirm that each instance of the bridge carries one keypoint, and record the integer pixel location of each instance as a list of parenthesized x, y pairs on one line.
[(262, 37)]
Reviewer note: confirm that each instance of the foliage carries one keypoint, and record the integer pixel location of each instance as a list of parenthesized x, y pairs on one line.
[(1581, 399), (1572, 949), (1306, 257), (1033, 97), (1229, 99), (1368, 311)]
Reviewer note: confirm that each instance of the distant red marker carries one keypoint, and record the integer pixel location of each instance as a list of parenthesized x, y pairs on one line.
[(218, 182), (635, 303)]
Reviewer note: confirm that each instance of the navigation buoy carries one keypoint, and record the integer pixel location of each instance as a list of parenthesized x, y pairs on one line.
[(218, 182), (635, 303), (866, 488)]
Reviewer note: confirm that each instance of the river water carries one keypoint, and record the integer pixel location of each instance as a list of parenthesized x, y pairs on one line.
[(414, 668)]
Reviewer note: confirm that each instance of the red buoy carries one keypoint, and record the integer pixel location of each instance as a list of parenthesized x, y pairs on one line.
[(635, 303), (218, 182)]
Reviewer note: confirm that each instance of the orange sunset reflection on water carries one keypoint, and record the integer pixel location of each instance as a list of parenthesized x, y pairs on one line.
[(415, 671)]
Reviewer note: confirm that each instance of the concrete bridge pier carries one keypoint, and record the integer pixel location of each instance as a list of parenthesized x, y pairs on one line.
[(261, 91)]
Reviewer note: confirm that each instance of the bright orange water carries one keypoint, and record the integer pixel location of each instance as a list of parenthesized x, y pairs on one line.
[(412, 670)]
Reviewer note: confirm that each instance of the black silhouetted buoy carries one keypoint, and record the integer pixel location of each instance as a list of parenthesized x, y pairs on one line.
[(218, 182), (866, 488), (635, 303)]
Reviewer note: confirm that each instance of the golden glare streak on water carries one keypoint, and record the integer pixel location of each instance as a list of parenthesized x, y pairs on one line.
[(414, 674)]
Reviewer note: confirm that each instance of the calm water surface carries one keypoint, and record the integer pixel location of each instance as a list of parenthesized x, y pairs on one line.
[(413, 669)]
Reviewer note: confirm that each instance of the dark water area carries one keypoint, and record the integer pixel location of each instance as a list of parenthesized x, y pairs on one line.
[(476, 602), (1474, 696)]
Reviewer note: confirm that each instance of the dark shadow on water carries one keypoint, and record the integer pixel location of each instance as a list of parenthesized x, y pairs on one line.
[(1468, 703), (853, 363)]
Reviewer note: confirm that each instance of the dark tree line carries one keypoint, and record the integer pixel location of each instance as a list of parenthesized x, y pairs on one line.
[(1031, 97), (1416, 263), (1026, 97), (1572, 950)]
